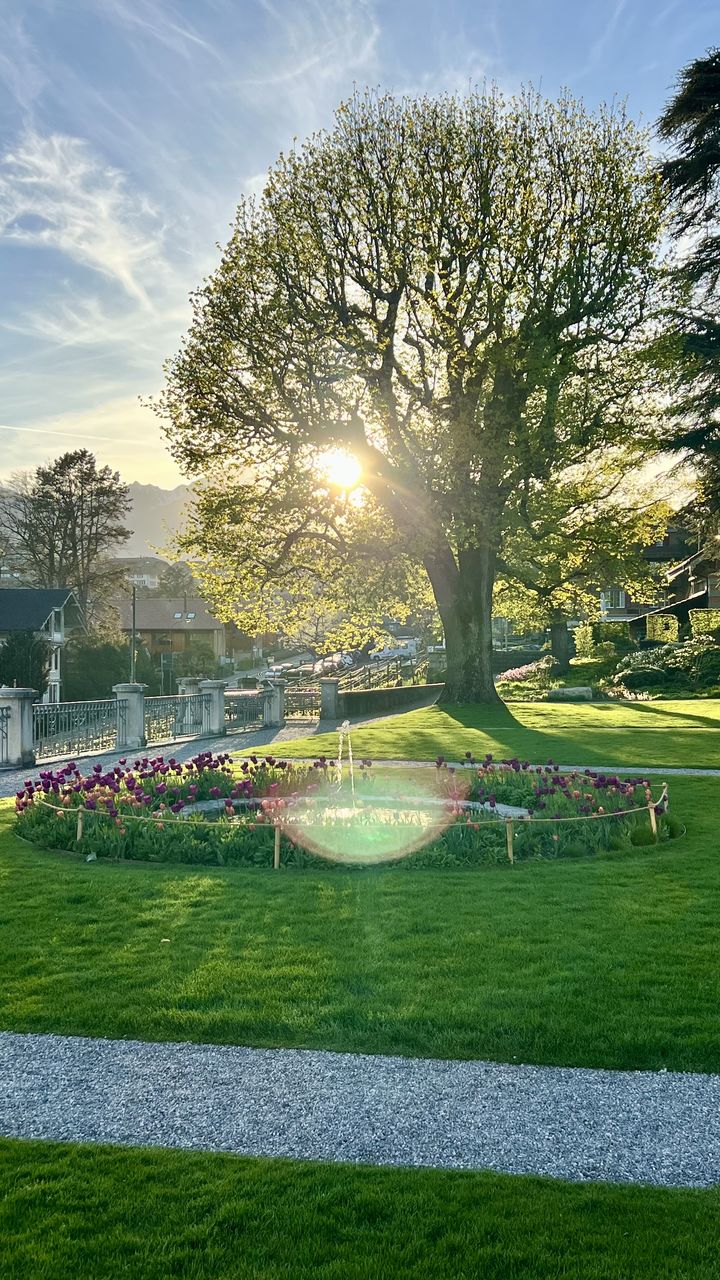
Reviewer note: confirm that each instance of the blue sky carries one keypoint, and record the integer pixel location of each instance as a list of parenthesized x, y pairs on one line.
[(129, 128)]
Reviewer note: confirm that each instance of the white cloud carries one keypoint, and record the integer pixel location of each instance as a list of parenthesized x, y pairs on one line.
[(55, 193)]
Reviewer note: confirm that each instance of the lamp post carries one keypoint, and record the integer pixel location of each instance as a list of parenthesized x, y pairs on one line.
[(133, 637)]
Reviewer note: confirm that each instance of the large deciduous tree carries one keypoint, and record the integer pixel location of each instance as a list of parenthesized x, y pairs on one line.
[(62, 519), (450, 290)]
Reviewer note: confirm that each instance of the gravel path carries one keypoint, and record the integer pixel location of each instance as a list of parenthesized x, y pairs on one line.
[(571, 1123)]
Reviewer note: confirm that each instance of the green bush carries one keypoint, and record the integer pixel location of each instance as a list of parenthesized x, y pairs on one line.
[(584, 641), (694, 666), (643, 678), (663, 627), (705, 622)]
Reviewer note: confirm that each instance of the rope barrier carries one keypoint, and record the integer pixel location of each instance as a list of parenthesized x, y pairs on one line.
[(472, 805)]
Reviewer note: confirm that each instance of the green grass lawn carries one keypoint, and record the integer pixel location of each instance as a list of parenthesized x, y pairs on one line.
[(105, 1213), (605, 962), (683, 733)]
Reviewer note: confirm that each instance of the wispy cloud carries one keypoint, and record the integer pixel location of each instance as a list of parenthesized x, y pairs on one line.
[(602, 42), (20, 68), (125, 433), (55, 193), (161, 22)]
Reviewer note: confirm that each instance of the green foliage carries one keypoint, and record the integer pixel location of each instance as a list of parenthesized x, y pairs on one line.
[(705, 622), (694, 665), (584, 641), (25, 660), (454, 291), (663, 627), (92, 667), (198, 660), (174, 581), (692, 176), (572, 534), (617, 633)]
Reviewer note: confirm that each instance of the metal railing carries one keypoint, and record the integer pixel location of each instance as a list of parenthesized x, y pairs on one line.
[(71, 728), (245, 709), (379, 675), (303, 702), (4, 725), (174, 716)]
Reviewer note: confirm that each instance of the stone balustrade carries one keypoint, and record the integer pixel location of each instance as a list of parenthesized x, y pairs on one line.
[(32, 732)]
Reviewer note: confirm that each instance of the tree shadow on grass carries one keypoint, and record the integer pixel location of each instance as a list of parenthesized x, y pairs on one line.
[(661, 708)]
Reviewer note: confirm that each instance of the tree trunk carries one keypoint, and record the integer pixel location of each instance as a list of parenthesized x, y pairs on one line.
[(560, 642), (463, 592)]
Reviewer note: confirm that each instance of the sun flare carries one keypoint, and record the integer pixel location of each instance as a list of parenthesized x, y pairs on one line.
[(341, 468)]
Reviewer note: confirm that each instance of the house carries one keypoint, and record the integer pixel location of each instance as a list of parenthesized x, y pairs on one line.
[(171, 626), (48, 611), (617, 605), (141, 571)]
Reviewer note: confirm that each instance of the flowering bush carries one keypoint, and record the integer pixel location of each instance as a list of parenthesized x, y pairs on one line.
[(208, 812)]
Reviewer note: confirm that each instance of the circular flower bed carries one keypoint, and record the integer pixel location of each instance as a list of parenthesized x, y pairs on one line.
[(211, 811)]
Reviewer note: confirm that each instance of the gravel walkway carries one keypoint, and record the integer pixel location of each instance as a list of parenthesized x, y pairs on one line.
[(571, 1123)]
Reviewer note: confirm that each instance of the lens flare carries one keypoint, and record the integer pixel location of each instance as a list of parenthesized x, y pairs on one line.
[(391, 814)]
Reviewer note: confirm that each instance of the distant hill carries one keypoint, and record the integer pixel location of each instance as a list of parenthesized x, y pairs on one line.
[(156, 515)]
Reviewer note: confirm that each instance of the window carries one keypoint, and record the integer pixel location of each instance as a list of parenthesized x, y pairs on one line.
[(177, 616), (614, 598), (191, 617)]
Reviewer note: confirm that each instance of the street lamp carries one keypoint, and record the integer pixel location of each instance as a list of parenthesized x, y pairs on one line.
[(133, 637)]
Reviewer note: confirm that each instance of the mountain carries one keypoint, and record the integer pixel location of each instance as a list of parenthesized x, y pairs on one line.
[(155, 516)]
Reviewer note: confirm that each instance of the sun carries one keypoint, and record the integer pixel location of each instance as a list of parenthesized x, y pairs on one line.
[(341, 468)]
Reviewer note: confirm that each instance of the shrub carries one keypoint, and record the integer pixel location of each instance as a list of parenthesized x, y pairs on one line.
[(694, 665), (705, 622), (663, 627), (584, 641)]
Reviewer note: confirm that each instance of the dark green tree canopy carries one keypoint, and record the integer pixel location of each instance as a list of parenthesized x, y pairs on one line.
[(25, 661), (62, 519), (691, 124), (451, 290)]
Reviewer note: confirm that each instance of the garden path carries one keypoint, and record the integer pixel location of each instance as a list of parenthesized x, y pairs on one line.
[(661, 1128), (12, 780)]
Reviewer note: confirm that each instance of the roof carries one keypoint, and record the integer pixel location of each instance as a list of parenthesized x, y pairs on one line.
[(681, 608), (157, 613), (28, 608)]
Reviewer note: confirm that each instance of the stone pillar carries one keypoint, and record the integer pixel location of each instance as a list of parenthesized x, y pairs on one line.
[(274, 709), (132, 728), (20, 749), (214, 708), (329, 698), (190, 720)]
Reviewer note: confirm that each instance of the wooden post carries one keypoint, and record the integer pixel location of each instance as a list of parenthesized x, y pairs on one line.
[(81, 815), (653, 819), (276, 854), (509, 837)]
